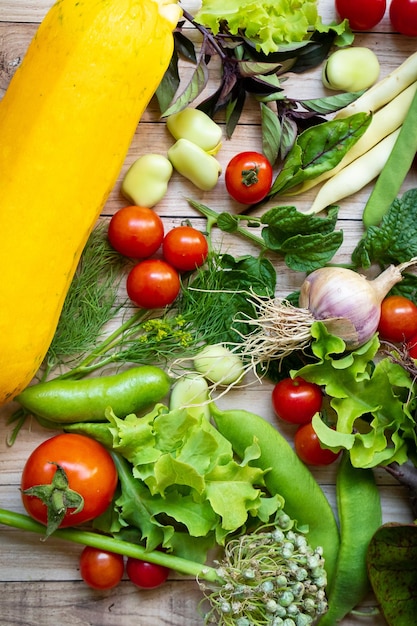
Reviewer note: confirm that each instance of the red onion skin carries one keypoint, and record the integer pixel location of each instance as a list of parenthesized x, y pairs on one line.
[(349, 297)]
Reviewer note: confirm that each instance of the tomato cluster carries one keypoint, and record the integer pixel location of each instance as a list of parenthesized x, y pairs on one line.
[(138, 232), (89, 472), (296, 401), (365, 14), (101, 570)]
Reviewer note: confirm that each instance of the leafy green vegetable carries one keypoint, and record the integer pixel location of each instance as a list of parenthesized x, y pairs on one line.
[(394, 241), (179, 478), (374, 401), (392, 568), (267, 24), (318, 150), (246, 69), (306, 242)]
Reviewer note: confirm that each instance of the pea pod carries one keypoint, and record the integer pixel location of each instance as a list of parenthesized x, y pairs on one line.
[(68, 401), (359, 509), (146, 181), (287, 475)]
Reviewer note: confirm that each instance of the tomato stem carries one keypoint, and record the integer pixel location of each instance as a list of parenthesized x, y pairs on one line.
[(111, 544)]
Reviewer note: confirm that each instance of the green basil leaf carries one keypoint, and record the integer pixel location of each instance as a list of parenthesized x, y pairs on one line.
[(193, 89), (271, 133), (330, 104)]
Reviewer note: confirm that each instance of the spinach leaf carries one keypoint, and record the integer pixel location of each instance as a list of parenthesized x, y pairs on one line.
[(318, 150)]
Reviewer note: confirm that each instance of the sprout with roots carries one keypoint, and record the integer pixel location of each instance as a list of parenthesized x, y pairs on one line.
[(271, 576)]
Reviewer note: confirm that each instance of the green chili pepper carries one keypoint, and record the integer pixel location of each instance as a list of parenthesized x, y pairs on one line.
[(196, 126), (359, 508), (69, 401), (287, 475), (192, 162), (146, 181)]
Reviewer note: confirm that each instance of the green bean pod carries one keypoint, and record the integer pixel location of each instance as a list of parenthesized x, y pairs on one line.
[(305, 501), (359, 509), (68, 401)]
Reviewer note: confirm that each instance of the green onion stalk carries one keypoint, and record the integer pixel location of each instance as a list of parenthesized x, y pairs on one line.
[(270, 576)]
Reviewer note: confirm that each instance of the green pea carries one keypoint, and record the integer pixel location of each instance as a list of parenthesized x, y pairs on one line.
[(359, 509), (287, 476), (68, 401)]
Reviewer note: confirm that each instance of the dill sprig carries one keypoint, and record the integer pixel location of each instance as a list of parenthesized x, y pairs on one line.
[(91, 301)]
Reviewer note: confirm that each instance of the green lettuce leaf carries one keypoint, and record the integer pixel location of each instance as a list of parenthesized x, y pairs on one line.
[(373, 399), (268, 25)]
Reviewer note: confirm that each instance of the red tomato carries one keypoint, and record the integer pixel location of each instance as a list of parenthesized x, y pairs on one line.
[(308, 448), (100, 569), (90, 470), (398, 321), (136, 231), (153, 284), (403, 16), (146, 575), (248, 177), (185, 248), (296, 400), (362, 14)]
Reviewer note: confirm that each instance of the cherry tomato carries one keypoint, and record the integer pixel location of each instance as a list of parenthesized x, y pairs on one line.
[(403, 16), (185, 248), (362, 14), (100, 569), (146, 575), (398, 321), (248, 177), (88, 466), (296, 400), (136, 231), (308, 448), (152, 284)]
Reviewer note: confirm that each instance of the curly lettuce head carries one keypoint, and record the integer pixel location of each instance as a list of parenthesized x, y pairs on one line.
[(268, 25)]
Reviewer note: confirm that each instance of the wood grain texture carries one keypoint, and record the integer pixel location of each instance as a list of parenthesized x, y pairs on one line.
[(39, 581)]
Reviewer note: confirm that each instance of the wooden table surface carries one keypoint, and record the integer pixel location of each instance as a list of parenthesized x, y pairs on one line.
[(39, 581)]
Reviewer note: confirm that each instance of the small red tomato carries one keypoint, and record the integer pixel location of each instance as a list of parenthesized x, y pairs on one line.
[(308, 448), (296, 400), (398, 321), (185, 248), (403, 17), (90, 471), (362, 14), (100, 569), (248, 177), (153, 284), (136, 231), (146, 575)]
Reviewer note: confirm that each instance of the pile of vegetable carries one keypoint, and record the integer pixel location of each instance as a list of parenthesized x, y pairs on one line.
[(180, 477)]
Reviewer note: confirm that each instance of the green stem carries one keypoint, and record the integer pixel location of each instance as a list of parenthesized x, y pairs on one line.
[(86, 366), (212, 220), (104, 542)]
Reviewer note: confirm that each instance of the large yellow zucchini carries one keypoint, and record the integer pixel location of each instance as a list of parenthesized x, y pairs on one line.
[(66, 123)]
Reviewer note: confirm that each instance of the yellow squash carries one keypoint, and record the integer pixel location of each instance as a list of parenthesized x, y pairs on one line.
[(66, 124)]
